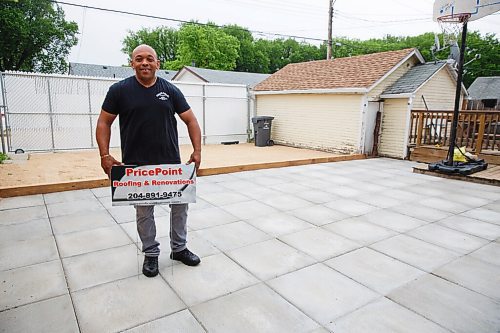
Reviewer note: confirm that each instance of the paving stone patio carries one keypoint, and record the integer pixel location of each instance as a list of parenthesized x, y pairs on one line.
[(358, 246)]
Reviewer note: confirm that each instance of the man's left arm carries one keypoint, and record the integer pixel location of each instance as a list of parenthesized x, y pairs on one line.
[(194, 131)]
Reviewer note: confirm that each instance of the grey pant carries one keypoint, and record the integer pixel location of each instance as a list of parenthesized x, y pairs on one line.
[(147, 229)]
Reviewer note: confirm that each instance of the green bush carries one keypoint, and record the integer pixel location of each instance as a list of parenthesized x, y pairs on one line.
[(3, 157)]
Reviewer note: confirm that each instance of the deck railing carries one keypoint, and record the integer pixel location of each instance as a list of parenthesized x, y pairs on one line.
[(476, 130)]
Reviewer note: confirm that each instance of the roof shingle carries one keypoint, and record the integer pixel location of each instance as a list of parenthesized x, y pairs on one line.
[(351, 72), (485, 88), (414, 78)]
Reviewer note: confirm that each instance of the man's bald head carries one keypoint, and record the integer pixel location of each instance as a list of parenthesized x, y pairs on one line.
[(145, 64), (144, 48)]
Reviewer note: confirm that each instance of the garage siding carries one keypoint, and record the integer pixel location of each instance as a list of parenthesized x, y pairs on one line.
[(319, 121), (393, 129), (439, 93)]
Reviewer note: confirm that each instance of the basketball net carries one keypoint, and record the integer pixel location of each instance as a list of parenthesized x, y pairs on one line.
[(451, 26)]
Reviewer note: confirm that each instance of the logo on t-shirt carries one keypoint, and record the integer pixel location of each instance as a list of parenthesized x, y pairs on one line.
[(163, 96)]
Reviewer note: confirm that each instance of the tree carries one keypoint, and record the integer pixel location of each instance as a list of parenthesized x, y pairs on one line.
[(488, 47), (250, 59), (34, 36), (163, 39), (206, 46)]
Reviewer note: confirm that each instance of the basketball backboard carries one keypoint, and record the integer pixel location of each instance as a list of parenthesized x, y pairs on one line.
[(476, 8)]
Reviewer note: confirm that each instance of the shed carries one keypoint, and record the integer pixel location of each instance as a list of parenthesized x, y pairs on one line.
[(195, 74), (428, 86), (334, 105), (484, 94)]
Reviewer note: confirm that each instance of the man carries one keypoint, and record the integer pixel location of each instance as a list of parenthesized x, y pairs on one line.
[(147, 106)]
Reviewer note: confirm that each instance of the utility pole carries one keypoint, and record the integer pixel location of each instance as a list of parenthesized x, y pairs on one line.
[(330, 18)]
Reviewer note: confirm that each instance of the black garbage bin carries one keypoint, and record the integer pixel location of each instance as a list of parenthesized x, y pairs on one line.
[(262, 130)]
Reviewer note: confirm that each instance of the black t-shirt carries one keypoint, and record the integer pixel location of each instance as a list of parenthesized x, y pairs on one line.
[(148, 127)]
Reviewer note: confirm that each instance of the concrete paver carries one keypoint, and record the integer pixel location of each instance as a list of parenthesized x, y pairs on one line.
[(216, 276), (324, 302), (179, 322), (319, 215), (421, 212), (80, 242), (20, 202), (255, 309), (485, 215), (74, 207), (91, 269), (384, 316), (25, 231), (279, 224), (374, 269), (473, 274), (392, 220), (21, 253), (415, 252), (48, 316), (319, 243), (472, 226), (81, 222), (257, 260), (489, 253), (33, 283), (351, 246), (230, 236), (351, 207), (20, 215), (448, 238), (124, 303), (209, 217), (61, 197), (360, 231), (449, 305)]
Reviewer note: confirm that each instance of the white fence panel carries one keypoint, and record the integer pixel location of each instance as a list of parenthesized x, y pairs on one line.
[(59, 112)]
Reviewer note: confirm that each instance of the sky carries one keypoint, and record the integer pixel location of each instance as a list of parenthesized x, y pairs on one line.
[(101, 33)]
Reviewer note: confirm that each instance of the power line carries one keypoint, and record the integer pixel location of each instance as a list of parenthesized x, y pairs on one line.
[(181, 21), (343, 15), (261, 33)]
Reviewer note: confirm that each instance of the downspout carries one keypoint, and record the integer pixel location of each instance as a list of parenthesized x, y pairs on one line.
[(407, 129), (364, 106)]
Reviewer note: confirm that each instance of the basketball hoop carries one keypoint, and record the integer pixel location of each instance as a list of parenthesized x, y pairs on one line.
[(451, 26)]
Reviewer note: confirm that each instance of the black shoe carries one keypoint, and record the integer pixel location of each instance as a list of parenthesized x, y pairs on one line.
[(186, 257), (150, 266)]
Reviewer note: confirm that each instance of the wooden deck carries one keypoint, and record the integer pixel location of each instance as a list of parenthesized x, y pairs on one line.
[(430, 154), (490, 176)]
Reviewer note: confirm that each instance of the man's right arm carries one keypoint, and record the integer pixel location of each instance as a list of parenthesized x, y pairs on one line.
[(103, 136)]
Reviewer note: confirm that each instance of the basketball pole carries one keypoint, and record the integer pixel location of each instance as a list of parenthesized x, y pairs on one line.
[(453, 134)]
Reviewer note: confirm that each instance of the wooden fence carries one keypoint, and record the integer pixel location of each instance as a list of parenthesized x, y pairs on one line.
[(476, 130)]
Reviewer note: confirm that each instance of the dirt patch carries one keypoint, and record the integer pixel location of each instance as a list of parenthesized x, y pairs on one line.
[(59, 167)]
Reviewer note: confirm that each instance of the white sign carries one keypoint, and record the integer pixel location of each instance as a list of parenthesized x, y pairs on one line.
[(153, 184)]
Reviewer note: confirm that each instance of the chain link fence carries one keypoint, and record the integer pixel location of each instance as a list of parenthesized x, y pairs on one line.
[(59, 112)]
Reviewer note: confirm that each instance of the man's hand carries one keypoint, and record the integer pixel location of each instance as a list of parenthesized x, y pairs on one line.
[(196, 158), (107, 161)]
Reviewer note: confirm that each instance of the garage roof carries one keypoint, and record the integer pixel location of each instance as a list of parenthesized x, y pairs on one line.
[(351, 72)]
